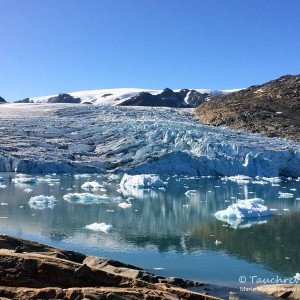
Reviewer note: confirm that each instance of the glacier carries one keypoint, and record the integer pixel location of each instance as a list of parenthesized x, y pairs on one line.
[(67, 138)]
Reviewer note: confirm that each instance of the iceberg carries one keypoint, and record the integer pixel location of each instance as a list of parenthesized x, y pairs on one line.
[(285, 195), (42, 202), (125, 205), (244, 209), (142, 181), (93, 185), (107, 228), (86, 198), (24, 179), (240, 179)]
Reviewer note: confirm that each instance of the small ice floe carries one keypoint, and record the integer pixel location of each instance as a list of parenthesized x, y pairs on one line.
[(190, 193), (285, 195), (297, 276), (125, 205), (217, 242), (110, 210), (243, 209), (92, 185), (142, 181), (239, 179), (286, 209), (1, 179), (158, 268), (272, 179), (297, 199), (106, 228), (3, 203), (86, 198), (24, 179), (3, 186), (21, 206), (42, 202), (293, 189), (273, 209), (78, 176), (48, 179), (113, 177), (185, 205)]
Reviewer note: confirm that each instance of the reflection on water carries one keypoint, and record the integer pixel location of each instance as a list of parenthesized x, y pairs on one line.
[(165, 228)]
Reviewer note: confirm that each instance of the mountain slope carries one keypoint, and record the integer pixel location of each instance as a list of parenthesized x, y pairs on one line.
[(272, 109), (2, 100)]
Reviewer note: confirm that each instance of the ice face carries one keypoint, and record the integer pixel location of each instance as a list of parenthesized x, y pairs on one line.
[(65, 138)]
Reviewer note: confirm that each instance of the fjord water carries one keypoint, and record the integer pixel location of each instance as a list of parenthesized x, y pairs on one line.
[(165, 231)]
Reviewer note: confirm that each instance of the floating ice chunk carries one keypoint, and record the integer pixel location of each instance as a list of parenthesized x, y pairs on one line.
[(3, 186), (190, 193), (261, 182), (285, 195), (297, 276), (107, 228), (113, 177), (42, 202), (239, 179), (78, 176), (293, 189), (86, 198), (217, 242), (142, 181), (1, 179), (23, 179), (158, 268), (49, 179), (272, 179), (93, 185), (251, 208), (3, 203), (125, 205)]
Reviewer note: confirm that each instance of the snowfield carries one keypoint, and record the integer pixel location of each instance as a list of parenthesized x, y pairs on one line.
[(115, 96), (67, 138)]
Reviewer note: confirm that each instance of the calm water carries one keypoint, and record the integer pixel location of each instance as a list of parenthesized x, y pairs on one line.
[(159, 232)]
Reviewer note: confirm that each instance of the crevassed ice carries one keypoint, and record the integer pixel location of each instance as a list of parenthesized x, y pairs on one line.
[(135, 140)]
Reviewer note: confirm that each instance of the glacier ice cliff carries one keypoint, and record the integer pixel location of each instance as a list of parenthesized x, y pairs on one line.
[(66, 138)]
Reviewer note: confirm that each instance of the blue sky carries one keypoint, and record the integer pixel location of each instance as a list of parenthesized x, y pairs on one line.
[(52, 46)]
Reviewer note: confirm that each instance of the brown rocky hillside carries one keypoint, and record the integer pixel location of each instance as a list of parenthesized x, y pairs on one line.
[(272, 109)]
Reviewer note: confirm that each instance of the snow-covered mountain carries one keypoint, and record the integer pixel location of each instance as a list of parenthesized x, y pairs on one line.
[(133, 96)]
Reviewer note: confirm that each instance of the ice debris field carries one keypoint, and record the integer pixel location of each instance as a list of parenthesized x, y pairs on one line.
[(240, 212), (66, 138)]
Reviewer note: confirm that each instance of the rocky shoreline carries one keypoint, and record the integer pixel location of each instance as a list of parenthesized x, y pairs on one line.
[(30, 270)]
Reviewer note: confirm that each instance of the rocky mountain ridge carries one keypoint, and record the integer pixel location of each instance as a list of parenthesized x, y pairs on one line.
[(272, 109)]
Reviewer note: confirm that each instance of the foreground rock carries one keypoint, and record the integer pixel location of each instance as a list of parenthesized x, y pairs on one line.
[(272, 109), (29, 270), (282, 291)]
